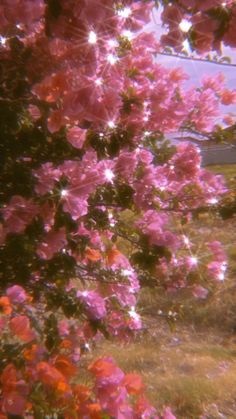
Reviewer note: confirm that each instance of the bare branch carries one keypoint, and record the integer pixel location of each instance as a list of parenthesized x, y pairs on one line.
[(186, 57)]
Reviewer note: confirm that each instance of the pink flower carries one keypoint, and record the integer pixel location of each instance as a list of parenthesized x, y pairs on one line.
[(51, 88), (134, 322), (186, 161), (124, 294), (46, 176), (215, 83), (172, 15), (204, 24), (115, 401), (228, 97), (94, 304), (63, 327), (152, 224), (126, 165), (217, 251), (23, 11), (16, 294), (191, 262), (229, 37), (213, 185), (53, 242), (204, 28), (216, 270), (56, 121), (177, 74), (229, 119), (106, 372), (205, 110), (47, 213), (20, 327), (14, 391), (199, 292), (145, 156), (74, 204), (167, 414), (73, 107), (144, 409), (110, 388), (34, 112), (174, 38), (14, 403), (76, 136), (18, 214), (141, 12), (97, 13)]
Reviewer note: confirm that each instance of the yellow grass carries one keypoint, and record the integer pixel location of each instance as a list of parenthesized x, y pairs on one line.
[(189, 371)]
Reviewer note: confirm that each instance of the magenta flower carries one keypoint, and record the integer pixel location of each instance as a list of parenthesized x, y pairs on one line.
[(216, 270), (217, 251), (126, 165), (94, 304), (16, 294), (73, 203), (53, 242), (199, 292), (76, 136), (167, 414), (14, 403), (46, 177), (18, 214)]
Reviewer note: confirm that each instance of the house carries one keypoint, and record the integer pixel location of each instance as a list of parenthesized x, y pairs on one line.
[(213, 151)]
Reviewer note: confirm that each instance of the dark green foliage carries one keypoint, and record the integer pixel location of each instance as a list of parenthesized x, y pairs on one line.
[(228, 211), (61, 266), (11, 352), (110, 143), (125, 195), (54, 8), (99, 217), (148, 255), (67, 302), (51, 332), (129, 98), (17, 260), (120, 195), (63, 219)]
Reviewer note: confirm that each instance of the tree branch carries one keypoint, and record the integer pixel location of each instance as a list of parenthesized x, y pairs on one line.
[(186, 57)]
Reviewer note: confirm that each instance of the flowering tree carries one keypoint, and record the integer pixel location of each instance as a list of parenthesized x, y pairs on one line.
[(85, 168), (206, 25)]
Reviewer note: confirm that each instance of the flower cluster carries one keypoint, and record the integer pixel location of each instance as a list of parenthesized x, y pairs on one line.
[(204, 25), (113, 392), (90, 198)]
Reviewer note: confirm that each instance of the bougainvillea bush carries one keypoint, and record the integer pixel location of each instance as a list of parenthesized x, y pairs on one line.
[(84, 109), (205, 25)]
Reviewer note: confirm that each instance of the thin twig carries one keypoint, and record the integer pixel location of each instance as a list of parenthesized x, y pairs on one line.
[(186, 57)]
